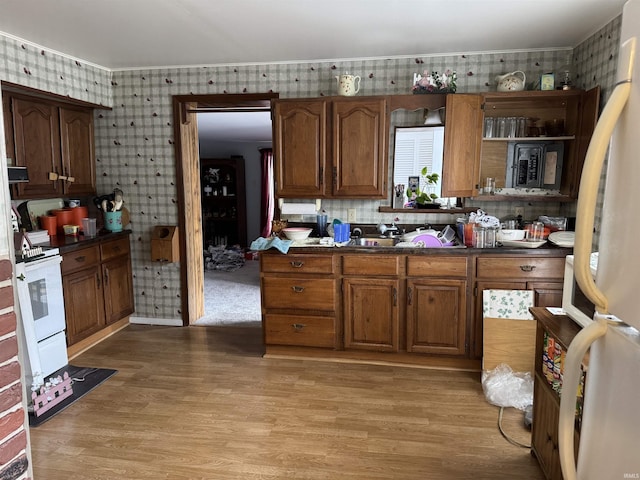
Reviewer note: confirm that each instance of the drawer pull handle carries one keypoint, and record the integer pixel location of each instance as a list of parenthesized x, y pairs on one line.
[(81, 258), (527, 268), (296, 264), (297, 289), (298, 326)]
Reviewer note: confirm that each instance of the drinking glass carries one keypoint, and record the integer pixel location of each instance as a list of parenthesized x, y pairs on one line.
[(536, 232), (321, 224), (488, 127), (89, 227)]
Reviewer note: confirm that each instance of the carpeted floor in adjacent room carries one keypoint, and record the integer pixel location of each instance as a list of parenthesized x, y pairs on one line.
[(232, 298)]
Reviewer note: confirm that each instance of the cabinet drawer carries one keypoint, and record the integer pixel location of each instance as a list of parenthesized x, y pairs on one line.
[(115, 248), (297, 263), (371, 264), (299, 293), (300, 330), (436, 266), (79, 259), (520, 267)]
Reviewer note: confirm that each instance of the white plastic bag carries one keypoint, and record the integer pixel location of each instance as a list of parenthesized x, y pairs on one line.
[(505, 388)]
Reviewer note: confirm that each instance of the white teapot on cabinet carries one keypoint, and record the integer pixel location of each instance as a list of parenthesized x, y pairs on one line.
[(511, 82), (348, 85)]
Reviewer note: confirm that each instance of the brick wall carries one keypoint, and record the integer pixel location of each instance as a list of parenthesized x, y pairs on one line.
[(13, 436)]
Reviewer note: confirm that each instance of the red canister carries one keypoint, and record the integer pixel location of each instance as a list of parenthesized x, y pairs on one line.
[(49, 223), (64, 216), (78, 213)]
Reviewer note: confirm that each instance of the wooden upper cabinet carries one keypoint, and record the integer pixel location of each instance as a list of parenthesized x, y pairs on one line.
[(50, 137), (334, 147), (37, 143), (300, 147), (462, 142), (359, 147), (78, 151), (8, 130), (588, 116)]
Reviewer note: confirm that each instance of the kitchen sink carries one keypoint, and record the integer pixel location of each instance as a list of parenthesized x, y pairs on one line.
[(375, 242)]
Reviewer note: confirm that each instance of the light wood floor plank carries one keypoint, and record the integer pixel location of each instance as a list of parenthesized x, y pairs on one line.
[(201, 403)]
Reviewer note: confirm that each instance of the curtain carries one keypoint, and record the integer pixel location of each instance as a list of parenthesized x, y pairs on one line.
[(267, 196)]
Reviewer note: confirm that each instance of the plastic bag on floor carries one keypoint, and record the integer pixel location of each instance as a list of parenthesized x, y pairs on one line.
[(505, 388)]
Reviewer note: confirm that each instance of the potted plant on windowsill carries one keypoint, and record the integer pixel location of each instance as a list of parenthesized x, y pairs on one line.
[(423, 198)]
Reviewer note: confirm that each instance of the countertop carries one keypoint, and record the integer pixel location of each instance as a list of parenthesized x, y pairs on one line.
[(545, 250), (68, 243)]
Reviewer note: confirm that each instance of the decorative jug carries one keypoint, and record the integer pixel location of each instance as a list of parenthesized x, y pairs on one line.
[(511, 82), (348, 85)]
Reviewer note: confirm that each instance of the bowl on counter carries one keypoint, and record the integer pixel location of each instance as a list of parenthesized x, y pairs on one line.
[(297, 234)]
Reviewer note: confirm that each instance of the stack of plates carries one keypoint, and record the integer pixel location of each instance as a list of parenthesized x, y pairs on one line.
[(562, 239)]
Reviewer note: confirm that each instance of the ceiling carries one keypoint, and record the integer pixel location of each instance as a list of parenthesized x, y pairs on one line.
[(119, 34), (132, 34)]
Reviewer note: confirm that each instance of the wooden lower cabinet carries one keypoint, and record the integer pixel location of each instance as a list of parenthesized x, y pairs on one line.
[(437, 305), (97, 287), (546, 401), (298, 300), (543, 275), (544, 437), (83, 303), (300, 330), (371, 313), (436, 316), (118, 289), (370, 290), (410, 305)]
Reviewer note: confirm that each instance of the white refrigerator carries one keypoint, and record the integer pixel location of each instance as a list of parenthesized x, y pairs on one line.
[(610, 433)]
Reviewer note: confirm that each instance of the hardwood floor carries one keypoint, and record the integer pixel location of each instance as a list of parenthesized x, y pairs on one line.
[(201, 403)]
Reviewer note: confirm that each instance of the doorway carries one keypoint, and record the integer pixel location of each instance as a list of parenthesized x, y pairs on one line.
[(185, 110)]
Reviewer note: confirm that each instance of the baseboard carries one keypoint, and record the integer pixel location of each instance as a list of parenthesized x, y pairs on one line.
[(85, 344), (167, 322), (373, 358)]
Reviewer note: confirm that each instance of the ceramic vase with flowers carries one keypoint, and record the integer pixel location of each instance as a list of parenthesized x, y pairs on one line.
[(435, 82)]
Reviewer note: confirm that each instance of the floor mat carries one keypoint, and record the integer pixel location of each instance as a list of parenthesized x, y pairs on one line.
[(84, 379)]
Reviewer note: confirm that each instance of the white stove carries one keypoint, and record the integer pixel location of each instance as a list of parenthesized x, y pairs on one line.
[(41, 303)]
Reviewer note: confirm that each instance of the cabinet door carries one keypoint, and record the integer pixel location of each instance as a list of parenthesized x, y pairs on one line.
[(371, 314), (588, 116), (544, 435), (476, 333), (436, 316), (118, 289), (37, 144), (546, 294), (300, 147), (359, 141), (462, 141), (83, 303), (78, 152), (8, 130)]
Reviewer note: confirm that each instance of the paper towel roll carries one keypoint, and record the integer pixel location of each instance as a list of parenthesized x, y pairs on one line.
[(298, 208)]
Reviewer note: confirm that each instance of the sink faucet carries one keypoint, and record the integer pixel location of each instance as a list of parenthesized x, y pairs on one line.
[(389, 231)]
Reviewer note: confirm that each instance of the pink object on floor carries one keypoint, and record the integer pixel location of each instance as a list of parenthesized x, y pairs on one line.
[(49, 397)]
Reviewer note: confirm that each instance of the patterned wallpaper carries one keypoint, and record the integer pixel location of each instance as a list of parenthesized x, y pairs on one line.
[(134, 141)]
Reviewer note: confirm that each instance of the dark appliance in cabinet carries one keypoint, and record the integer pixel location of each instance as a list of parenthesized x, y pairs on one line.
[(534, 164)]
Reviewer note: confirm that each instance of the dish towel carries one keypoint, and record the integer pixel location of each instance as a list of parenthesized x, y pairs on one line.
[(262, 243)]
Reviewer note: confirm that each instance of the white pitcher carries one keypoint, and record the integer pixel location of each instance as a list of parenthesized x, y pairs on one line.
[(348, 85), (511, 82)]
